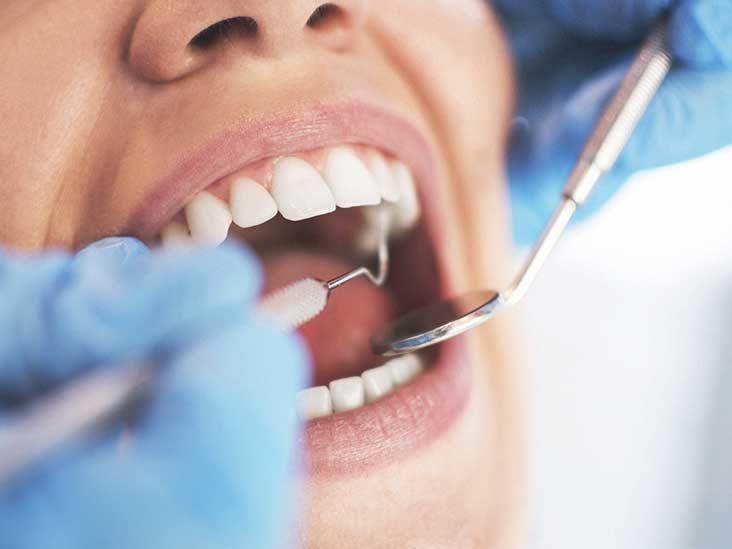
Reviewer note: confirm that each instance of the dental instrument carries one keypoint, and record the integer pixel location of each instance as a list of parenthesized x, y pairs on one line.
[(109, 393), (444, 320), (79, 408), (300, 302)]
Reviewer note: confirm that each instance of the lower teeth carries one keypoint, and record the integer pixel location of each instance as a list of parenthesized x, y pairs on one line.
[(350, 393)]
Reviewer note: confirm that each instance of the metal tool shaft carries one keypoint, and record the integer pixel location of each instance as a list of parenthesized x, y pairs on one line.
[(63, 416), (378, 277), (602, 150)]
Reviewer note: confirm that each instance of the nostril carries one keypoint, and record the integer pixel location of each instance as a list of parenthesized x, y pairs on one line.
[(234, 27), (325, 15)]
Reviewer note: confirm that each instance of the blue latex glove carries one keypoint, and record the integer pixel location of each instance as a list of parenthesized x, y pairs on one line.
[(571, 56), (210, 461)]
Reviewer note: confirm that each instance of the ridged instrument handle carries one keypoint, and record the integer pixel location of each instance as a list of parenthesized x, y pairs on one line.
[(621, 116), (602, 149)]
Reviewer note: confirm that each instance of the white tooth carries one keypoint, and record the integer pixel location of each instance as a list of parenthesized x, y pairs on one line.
[(405, 368), (250, 203), (347, 394), (350, 181), (415, 364), (407, 210), (384, 178), (209, 219), (314, 403), (366, 237), (175, 236), (299, 190), (377, 382)]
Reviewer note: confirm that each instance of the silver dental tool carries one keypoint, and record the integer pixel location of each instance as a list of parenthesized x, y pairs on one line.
[(296, 304), (87, 404), (444, 320), (77, 409)]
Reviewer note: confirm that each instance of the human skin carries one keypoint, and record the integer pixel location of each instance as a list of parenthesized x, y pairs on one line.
[(97, 96)]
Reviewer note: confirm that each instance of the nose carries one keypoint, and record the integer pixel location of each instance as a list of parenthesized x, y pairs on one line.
[(173, 39)]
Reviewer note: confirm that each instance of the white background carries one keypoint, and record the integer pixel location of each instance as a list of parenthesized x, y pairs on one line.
[(629, 346)]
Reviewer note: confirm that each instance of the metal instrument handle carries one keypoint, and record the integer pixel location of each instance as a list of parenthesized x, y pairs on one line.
[(602, 150), (621, 116)]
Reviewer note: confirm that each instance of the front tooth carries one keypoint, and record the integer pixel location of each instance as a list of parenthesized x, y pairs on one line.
[(347, 394), (299, 190), (314, 403), (384, 178), (405, 368), (176, 236), (377, 382), (209, 219), (367, 238), (349, 180), (407, 210), (250, 203)]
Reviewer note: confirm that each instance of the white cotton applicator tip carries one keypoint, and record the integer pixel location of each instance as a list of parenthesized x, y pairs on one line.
[(294, 305)]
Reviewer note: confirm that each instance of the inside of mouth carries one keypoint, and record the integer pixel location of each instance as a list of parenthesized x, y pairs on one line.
[(324, 247)]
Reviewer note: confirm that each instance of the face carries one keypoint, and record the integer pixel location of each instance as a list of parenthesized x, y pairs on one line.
[(296, 119)]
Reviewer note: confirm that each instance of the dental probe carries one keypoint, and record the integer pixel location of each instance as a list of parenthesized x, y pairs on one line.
[(444, 320), (86, 405), (300, 302)]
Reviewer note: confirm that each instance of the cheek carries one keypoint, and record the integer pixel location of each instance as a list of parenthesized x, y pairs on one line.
[(47, 119), (472, 10), (55, 82)]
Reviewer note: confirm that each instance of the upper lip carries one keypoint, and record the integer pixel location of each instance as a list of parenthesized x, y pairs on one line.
[(303, 128)]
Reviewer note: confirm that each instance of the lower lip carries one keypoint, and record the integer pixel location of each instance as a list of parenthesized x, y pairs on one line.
[(392, 429)]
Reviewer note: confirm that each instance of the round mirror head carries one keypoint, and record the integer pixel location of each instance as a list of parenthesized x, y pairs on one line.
[(436, 323)]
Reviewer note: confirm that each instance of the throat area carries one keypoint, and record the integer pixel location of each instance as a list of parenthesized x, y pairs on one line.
[(298, 236)]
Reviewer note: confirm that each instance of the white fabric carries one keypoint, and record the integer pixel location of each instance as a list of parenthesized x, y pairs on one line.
[(630, 367)]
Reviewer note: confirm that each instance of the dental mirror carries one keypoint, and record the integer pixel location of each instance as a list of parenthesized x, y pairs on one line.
[(436, 323), (444, 320)]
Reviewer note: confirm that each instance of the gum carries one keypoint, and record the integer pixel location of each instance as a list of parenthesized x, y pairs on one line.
[(261, 171)]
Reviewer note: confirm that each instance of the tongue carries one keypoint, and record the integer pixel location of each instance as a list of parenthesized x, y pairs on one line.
[(339, 338)]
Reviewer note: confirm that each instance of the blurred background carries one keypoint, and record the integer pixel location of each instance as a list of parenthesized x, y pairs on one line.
[(629, 347)]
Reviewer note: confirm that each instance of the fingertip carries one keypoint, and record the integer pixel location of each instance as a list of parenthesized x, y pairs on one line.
[(701, 33), (248, 372), (228, 406), (234, 267), (114, 250)]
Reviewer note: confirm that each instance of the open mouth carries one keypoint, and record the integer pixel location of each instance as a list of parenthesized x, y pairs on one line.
[(315, 214)]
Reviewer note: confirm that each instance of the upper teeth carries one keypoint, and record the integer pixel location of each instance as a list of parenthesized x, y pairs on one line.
[(350, 393), (250, 203), (408, 212), (299, 191), (384, 178), (350, 181), (208, 219)]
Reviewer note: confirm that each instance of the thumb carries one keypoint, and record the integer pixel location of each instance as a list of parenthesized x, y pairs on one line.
[(113, 250), (701, 32), (62, 316)]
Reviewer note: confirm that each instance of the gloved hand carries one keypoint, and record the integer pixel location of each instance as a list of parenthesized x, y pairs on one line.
[(571, 57), (209, 462)]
